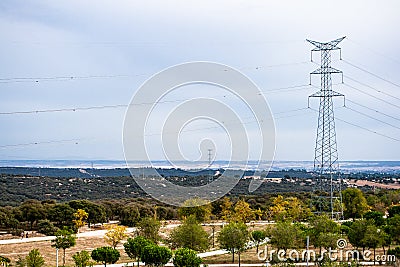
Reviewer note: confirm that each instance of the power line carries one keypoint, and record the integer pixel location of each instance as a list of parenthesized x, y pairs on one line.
[(371, 117), (87, 108), (85, 77), (361, 127), (65, 78), (75, 109), (377, 111), (187, 130), (287, 89), (368, 94), (370, 73), (373, 88), (42, 143), (374, 51)]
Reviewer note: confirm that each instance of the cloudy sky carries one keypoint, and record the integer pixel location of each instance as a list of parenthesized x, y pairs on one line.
[(72, 54)]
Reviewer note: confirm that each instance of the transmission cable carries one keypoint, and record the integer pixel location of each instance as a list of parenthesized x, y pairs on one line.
[(364, 128)]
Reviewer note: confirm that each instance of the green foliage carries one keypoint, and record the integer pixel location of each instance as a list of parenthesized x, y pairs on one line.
[(373, 237), (394, 210), (393, 228), (258, 236), (395, 252), (129, 215), (96, 213), (185, 257), (81, 259), (64, 239), (286, 235), (31, 211), (190, 235), (364, 233), (355, 204), (105, 255), (46, 227), (34, 259), (198, 208), (376, 216), (233, 237), (149, 227), (61, 215), (356, 233), (154, 255), (324, 232), (134, 247)]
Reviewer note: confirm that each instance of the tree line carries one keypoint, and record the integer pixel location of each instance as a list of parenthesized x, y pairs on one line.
[(48, 216), (370, 227)]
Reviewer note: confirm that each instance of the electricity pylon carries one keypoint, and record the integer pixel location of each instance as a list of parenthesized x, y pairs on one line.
[(326, 166)]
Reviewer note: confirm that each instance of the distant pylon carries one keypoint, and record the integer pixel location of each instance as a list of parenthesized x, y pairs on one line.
[(210, 177), (326, 165)]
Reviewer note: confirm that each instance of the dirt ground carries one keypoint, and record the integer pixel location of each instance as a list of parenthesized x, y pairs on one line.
[(14, 251)]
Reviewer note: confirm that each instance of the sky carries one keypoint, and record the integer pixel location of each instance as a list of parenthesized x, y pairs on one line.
[(73, 54)]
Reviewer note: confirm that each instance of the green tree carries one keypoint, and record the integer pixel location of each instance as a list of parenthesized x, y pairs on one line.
[(376, 216), (105, 255), (286, 235), (134, 247), (154, 255), (356, 233), (34, 259), (393, 210), (32, 211), (393, 228), (185, 257), (64, 239), (129, 215), (197, 207), (61, 215), (46, 227), (190, 235), (81, 259), (149, 228), (258, 236), (355, 204), (324, 232), (96, 213), (373, 237), (233, 237)]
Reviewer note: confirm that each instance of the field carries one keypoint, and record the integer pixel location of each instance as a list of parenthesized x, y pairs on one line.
[(14, 251)]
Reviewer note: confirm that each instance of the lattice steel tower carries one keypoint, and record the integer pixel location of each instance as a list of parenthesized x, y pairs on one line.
[(326, 165)]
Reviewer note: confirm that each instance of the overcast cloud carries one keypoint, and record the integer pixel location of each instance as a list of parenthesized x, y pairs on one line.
[(112, 47)]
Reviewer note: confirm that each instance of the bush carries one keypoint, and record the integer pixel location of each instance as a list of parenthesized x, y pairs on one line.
[(185, 257), (155, 255), (81, 259), (46, 227), (395, 252)]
